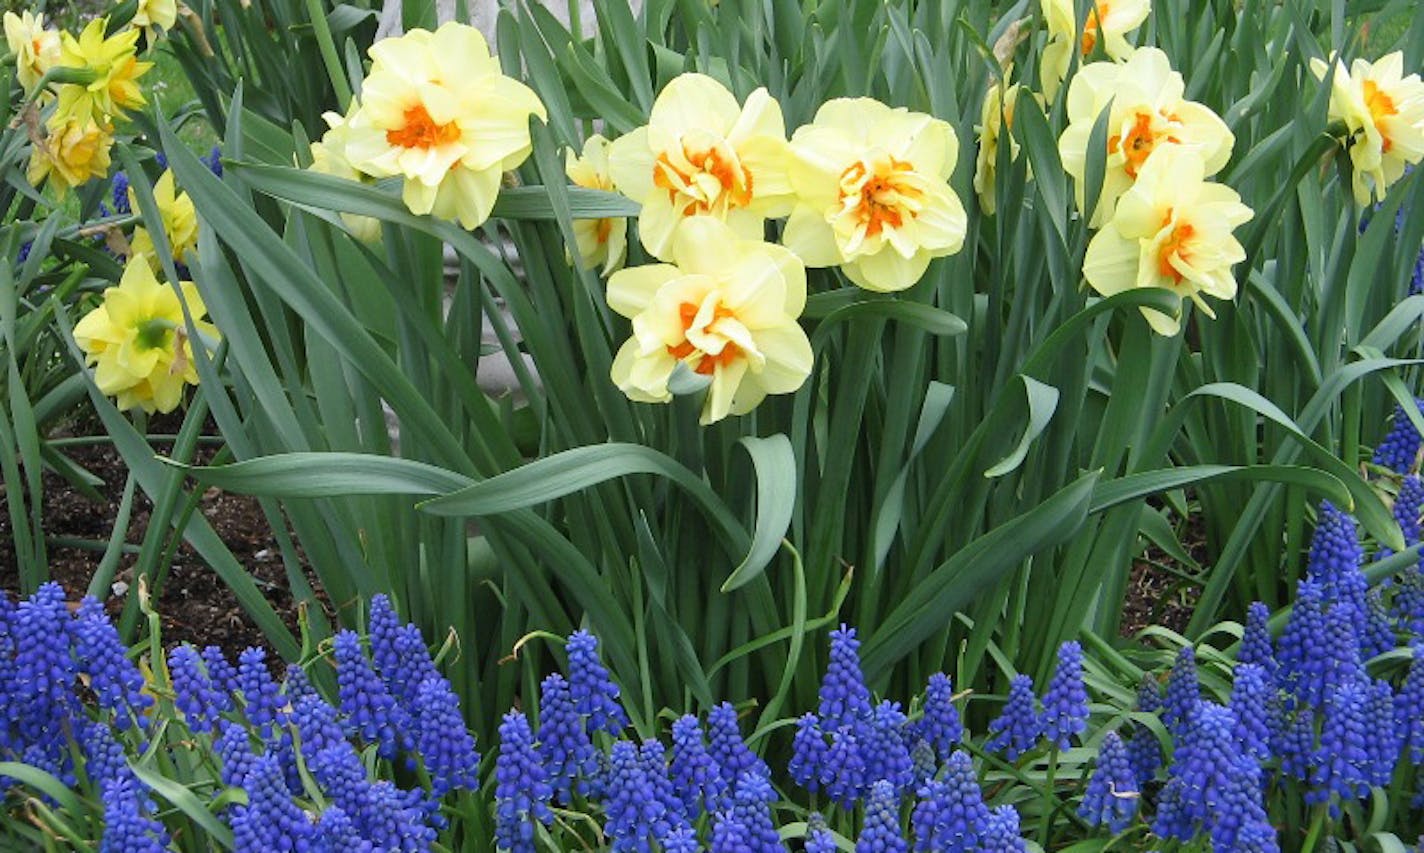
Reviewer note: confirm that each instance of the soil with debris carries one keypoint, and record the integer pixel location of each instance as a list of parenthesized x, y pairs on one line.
[(194, 604)]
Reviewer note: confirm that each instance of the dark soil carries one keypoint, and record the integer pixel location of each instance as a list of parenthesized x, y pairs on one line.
[(194, 603), (1158, 590)]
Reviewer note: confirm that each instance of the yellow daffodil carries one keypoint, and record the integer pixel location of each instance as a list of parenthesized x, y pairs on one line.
[(437, 111), (1148, 112), (702, 155), (155, 15), (180, 221), (1172, 229), (115, 66), (74, 149), (725, 308), (996, 117), (1383, 111), (36, 49), (1108, 23), (137, 340), (600, 241), (329, 158), (873, 194)]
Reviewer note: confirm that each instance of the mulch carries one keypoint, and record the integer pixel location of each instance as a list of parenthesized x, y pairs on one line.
[(194, 604)]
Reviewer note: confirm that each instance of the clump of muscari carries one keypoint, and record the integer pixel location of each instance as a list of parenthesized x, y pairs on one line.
[(76, 705)]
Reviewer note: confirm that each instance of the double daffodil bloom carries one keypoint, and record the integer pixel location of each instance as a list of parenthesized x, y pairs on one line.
[(179, 219), (1148, 112), (329, 158), (702, 155), (726, 308), (1383, 111), (996, 118), (1172, 229), (115, 66), (36, 49), (137, 340), (75, 149), (600, 241), (873, 194), (1108, 23), (437, 111)]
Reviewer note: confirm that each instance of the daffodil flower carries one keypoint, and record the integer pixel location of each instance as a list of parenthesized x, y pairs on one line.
[(1383, 111), (600, 241), (75, 148), (873, 194), (154, 15), (702, 155), (329, 158), (725, 308), (36, 49), (996, 117), (137, 340), (1172, 229), (116, 70), (1148, 112), (437, 111), (177, 216), (1107, 24)]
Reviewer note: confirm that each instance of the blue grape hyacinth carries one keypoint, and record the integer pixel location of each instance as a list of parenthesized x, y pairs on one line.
[(594, 692), (1065, 704), (1112, 796), (881, 833), (1018, 728), (564, 745), (522, 790), (845, 700), (1399, 448), (941, 724)]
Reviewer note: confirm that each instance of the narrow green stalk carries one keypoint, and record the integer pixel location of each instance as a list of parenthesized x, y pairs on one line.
[(322, 28)]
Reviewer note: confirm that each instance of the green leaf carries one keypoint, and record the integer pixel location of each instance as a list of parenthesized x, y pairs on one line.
[(326, 475), (43, 782), (1042, 403), (1114, 492), (775, 466), (955, 582), (185, 801), (935, 321)]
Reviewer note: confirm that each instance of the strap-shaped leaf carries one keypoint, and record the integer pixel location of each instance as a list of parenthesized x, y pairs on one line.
[(326, 475), (979, 564), (775, 465), (1042, 403)]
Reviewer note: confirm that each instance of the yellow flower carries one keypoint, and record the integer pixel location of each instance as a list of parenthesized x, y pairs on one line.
[(600, 241), (873, 194), (329, 158), (138, 343), (155, 14), (1383, 110), (36, 49), (702, 155), (1172, 230), (437, 111), (726, 308), (996, 117), (1108, 22), (1148, 112), (180, 221), (75, 149), (115, 66)]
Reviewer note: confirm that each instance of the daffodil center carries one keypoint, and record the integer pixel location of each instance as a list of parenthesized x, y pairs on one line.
[(153, 333), (1380, 105), (1174, 246), (1138, 141), (881, 193), (1090, 27), (703, 178), (713, 337), (419, 130)]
